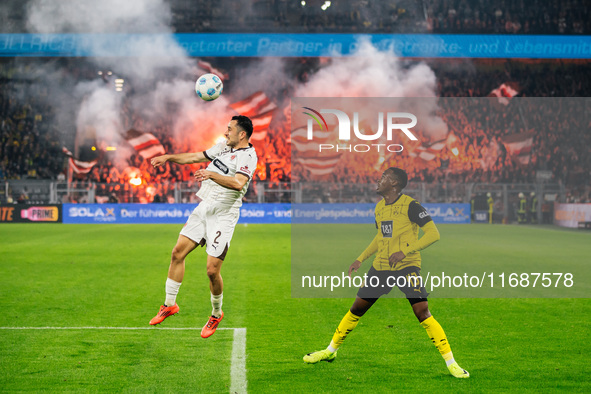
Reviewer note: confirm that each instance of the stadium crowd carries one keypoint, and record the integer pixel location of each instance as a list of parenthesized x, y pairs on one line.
[(345, 16), (30, 146), (362, 16)]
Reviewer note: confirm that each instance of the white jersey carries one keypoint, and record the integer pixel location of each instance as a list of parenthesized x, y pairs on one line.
[(229, 162)]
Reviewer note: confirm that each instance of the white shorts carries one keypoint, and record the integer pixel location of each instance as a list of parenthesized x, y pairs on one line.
[(213, 226)]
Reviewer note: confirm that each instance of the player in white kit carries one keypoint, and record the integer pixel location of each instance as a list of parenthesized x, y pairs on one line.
[(223, 184)]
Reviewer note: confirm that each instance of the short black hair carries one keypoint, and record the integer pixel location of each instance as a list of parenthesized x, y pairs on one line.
[(400, 174), (244, 123)]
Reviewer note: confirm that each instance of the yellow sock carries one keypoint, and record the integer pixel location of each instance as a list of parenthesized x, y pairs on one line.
[(345, 327), (438, 338)]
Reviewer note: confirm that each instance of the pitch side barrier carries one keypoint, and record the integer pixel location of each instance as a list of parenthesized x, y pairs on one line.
[(573, 215), (30, 213), (290, 45), (249, 213), (178, 213), (166, 213)]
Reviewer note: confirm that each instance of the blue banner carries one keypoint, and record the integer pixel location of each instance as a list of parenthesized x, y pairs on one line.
[(166, 213), (265, 213), (333, 213), (289, 45), (365, 213), (250, 213), (449, 213)]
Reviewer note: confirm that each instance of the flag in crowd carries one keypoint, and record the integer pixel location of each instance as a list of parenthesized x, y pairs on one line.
[(306, 152), (504, 93), (430, 151), (259, 108), (207, 67), (260, 124), (519, 146), (78, 166), (489, 154), (145, 144), (254, 105)]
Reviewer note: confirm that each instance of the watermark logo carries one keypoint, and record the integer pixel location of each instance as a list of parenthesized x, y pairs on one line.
[(316, 119), (388, 122)]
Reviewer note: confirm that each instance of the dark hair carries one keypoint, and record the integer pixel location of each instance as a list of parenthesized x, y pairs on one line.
[(400, 175), (244, 123)]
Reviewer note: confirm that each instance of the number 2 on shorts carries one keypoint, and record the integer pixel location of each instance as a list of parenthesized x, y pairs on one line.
[(215, 240)]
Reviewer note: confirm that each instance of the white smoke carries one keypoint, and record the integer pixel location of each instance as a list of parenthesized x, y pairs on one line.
[(166, 80), (151, 58), (199, 123), (373, 73), (146, 55), (100, 110), (370, 73), (105, 16), (268, 74)]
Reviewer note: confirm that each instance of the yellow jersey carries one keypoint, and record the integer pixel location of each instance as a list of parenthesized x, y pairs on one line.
[(398, 226)]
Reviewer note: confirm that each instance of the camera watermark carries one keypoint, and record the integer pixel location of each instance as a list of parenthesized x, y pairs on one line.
[(434, 281)]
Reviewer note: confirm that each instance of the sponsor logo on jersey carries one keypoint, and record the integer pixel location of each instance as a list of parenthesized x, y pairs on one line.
[(221, 166), (386, 226), (245, 169), (423, 214)]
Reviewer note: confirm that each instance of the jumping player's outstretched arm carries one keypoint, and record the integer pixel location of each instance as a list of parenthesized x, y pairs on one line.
[(179, 158)]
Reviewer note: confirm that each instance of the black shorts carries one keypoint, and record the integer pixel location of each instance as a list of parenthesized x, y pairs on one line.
[(380, 283)]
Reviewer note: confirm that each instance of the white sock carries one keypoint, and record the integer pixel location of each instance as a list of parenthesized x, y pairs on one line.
[(216, 303), (449, 359), (331, 349), (172, 289)]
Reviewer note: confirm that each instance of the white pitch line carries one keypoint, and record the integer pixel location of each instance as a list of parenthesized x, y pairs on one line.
[(113, 328), (238, 382), (238, 367)]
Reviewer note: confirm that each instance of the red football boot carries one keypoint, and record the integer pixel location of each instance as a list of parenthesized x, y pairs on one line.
[(211, 326), (164, 312)]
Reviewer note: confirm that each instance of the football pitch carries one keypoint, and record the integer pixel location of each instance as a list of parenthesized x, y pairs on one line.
[(76, 301)]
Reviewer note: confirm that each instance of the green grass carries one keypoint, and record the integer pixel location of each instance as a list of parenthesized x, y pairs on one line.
[(138, 361), (113, 275)]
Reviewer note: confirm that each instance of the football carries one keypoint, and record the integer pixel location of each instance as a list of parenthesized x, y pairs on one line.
[(209, 87)]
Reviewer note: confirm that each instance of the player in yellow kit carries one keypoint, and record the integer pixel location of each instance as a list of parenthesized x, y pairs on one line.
[(397, 263)]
